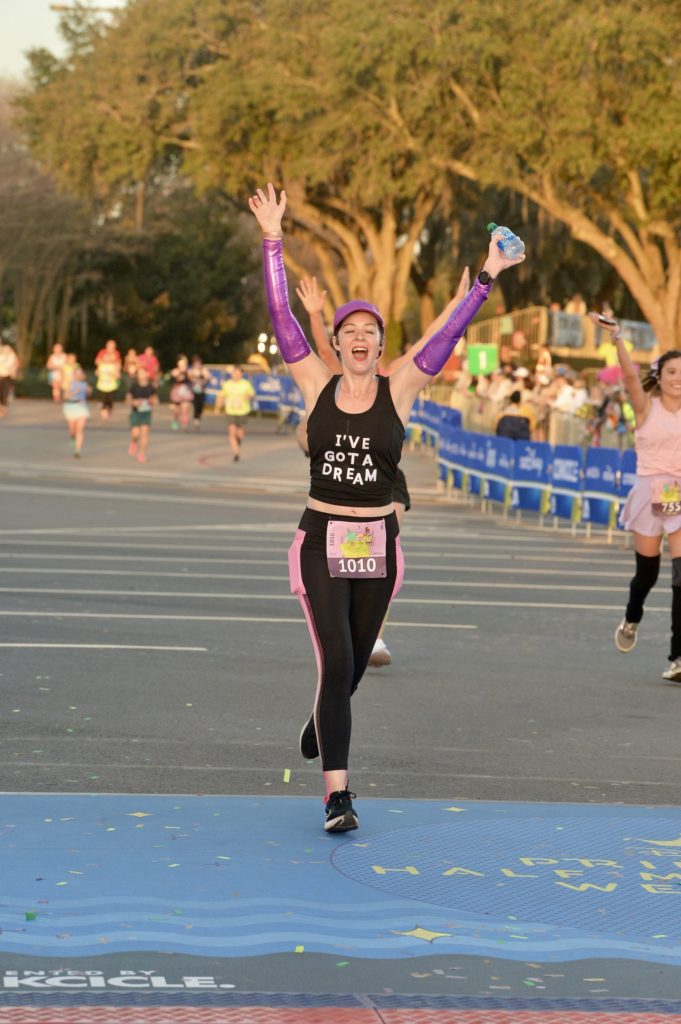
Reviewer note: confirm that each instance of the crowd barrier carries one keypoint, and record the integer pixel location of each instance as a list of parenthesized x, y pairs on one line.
[(558, 481), (563, 482)]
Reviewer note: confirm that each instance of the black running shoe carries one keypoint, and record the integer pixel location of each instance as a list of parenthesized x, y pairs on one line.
[(340, 814), (309, 747)]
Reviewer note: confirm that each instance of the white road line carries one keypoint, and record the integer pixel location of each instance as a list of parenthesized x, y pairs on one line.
[(510, 605), (87, 570), (109, 647), (248, 596), (509, 554), (132, 496), (210, 618)]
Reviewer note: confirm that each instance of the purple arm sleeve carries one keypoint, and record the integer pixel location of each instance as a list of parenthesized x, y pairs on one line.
[(437, 350), (293, 344)]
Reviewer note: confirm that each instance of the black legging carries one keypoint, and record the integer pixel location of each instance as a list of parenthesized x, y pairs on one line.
[(199, 401), (344, 618)]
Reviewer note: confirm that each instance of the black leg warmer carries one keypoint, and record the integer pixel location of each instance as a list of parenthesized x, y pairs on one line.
[(647, 571), (676, 610)]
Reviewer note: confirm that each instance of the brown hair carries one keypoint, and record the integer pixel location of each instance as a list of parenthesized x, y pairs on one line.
[(651, 377)]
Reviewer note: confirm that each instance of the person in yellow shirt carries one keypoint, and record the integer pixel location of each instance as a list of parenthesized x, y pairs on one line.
[(236, 397), (607, 350)]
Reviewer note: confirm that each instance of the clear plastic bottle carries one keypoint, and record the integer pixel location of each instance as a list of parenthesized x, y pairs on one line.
[(508, 242)]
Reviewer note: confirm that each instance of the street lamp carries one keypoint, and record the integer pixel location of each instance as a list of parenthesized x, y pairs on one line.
[(262, 342)]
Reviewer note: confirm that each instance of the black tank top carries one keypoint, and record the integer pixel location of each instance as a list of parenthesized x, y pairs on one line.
[(354, 455)]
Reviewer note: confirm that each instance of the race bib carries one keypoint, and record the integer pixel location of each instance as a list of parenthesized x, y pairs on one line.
[(665, 497), (356, 550), (143, 405)]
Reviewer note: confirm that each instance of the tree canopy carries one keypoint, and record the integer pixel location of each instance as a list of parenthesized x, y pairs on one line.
[(377, 118)]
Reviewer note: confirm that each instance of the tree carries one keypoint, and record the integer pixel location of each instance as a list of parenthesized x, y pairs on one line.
[(576, 107)]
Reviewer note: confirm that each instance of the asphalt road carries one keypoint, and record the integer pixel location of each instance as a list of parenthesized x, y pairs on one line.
[(148, 642)]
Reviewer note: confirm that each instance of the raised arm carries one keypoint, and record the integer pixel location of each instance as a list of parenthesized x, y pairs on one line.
[(640, 401), (418, 371), (312, 298), (306, 368), (440, 321)]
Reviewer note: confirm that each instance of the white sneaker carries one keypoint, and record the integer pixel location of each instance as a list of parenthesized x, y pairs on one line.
[(380, 655), (625, 636), (673, 672)]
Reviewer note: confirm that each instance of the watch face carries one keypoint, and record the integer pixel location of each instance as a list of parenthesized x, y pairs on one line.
[(484, 277)]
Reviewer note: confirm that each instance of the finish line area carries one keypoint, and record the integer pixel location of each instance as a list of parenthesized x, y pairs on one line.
[(224, 906), (162, 853)]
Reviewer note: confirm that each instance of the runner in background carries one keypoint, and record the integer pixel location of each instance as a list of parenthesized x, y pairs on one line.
[(313, 298), (199, 378), (141, 399), (108, 376), (54, 366), (236, 397), (9, 367), (181, 394), (75, 408), (653, 506)]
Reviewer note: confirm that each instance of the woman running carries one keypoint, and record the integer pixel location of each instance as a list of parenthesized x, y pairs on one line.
[(181, 394), (653, 506), (345, 561), (75, 408), (312, 298)]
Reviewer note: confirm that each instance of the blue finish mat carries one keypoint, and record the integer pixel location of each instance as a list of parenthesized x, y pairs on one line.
[(87, 875)]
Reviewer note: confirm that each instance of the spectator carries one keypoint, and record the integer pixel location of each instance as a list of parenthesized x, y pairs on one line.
[(544, 363), (607, 351), (576, 305), (514, 421)]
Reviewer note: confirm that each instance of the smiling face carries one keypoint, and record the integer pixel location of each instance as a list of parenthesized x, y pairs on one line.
[(670, 378), (359, 342)]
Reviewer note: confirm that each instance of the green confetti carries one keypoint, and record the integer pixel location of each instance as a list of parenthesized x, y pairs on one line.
[(31, 915)]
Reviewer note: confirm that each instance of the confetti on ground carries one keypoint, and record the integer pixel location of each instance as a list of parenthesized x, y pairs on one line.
[(287, 774), (299, 949), (30, 915)]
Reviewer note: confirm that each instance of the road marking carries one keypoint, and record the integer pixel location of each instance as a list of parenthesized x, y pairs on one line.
[(109, 647), (197, 595), (176, 499), (414, 566), (208, 618)]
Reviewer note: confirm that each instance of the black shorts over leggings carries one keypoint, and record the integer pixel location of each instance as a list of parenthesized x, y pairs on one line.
[(344, 618)]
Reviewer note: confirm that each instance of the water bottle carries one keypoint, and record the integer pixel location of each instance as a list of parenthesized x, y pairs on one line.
[(509, 243)]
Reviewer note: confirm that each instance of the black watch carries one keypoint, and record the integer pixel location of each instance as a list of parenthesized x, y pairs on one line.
[(485, 278)]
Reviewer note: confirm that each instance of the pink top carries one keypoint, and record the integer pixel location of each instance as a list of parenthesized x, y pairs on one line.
[(658, 442)]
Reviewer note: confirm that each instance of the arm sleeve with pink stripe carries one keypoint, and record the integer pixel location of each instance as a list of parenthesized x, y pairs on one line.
[(292, 342), (437, 350)]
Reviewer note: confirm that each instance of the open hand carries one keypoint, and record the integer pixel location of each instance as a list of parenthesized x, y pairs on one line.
[(268, 212), (311, 295)]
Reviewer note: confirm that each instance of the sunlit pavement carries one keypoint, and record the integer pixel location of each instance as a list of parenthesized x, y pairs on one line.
[(136, 884)]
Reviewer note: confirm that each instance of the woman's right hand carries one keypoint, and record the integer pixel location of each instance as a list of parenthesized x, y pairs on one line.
[(268, 212), (311, 295), (613, 329)]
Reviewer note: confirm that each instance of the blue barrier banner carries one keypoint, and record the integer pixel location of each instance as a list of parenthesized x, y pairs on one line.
[(566, 467), (601, 470), (267, 391), (627, 472), (567, 477), (450, 417), (532, 461), (531, 476), (499, 460), (601, 474), (476, 453)]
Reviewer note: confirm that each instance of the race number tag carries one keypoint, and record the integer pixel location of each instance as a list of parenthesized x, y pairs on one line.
[(665, 497), (356, 550)]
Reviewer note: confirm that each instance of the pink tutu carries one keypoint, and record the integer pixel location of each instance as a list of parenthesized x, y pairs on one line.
[(637, 514)]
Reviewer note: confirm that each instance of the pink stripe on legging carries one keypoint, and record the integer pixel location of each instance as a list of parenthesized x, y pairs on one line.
[(399, 576), (298, 588)]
